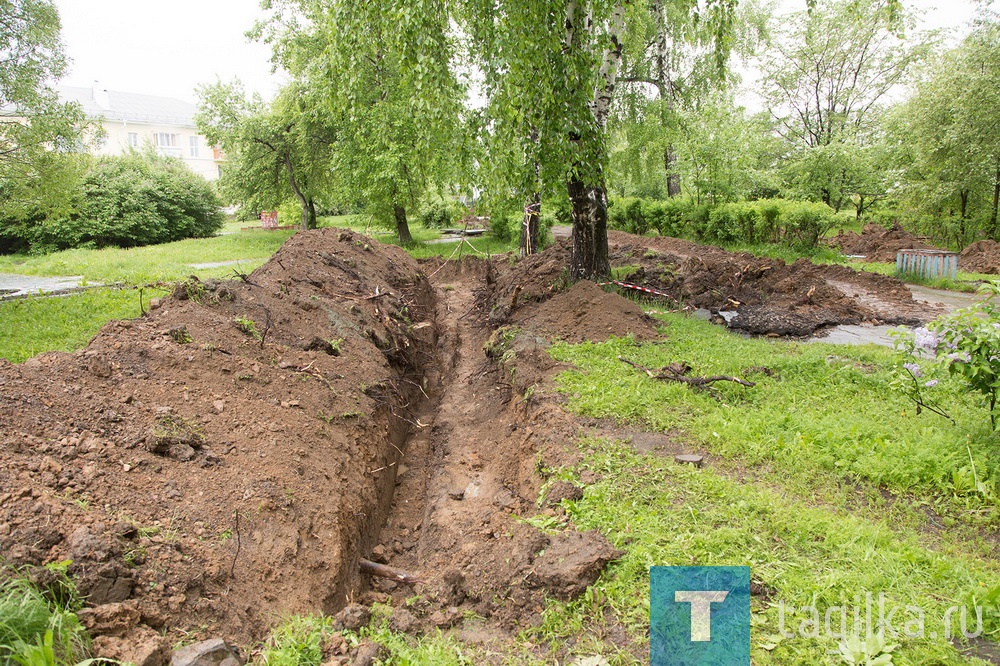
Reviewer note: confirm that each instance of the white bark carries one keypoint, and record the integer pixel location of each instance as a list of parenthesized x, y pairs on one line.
[(608, 74)]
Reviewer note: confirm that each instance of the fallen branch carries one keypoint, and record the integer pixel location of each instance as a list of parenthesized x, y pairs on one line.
[(384, 571), (677, 372)]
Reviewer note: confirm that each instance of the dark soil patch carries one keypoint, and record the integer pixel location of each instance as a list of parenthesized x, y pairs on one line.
[(877, 243), (981, 257)]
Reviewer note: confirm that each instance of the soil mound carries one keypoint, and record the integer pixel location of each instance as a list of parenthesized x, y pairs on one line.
[(765, 296), (223, 460), (586, 312), (876, 243), (981, 257)]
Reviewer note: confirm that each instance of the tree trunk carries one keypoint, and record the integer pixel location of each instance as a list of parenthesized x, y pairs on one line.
[(402, 228), (529, 227), (298, 192), (963, 197), (996, 202), (673, 178), (312, 214), (589, 259)]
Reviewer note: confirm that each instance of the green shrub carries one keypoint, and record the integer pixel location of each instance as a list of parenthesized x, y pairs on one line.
[(438, 212), (129, 200), (37, 624)]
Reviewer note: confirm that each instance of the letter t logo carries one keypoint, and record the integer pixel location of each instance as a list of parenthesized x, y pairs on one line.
[(701, 611)]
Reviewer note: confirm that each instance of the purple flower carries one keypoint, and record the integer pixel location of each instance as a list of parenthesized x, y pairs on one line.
[(914, 369), (932, 383), (925, 339), (962, 356)]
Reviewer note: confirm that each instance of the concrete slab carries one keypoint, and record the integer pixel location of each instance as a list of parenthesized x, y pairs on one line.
[(18, 286)]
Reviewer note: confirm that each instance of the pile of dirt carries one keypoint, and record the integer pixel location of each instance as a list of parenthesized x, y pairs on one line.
[(765, 296), (586, 312), (224, 460), (876, 243), (981, 257)]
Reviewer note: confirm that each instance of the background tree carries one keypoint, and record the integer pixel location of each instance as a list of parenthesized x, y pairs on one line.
[(381, 75), (824, 80), (274, 151), (36, 130), (950, 129)]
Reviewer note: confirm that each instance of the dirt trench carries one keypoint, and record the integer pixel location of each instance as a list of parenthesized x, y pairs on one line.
[(471, 473)]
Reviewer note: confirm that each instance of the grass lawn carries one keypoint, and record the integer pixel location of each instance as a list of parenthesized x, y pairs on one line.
[(32, 326)]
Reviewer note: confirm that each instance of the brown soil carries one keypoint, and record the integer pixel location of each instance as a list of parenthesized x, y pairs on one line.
[(206, 483), (981, 257), (876, 243)]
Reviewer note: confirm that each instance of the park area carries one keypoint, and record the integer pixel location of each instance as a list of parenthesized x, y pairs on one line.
[(512, 451)]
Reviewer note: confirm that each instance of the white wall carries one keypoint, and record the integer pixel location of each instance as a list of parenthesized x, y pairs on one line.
[(117, 142)]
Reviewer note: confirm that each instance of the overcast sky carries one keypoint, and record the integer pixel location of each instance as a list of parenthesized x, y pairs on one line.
[(163, 47), (168, 47)]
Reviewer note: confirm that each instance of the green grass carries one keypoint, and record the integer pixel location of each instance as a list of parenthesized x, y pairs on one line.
[(30, 326), (830, 415), (37, 629), (661, 513), (154, 263)]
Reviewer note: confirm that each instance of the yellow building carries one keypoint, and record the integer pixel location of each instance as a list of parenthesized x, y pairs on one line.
[(131, 120)]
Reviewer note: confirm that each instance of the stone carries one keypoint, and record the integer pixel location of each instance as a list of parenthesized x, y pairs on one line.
[(403, 621), (213, 652), (352, 617), (691, 459), (142, 647)]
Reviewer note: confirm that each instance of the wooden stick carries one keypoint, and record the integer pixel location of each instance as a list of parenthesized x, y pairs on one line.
[(676, 372), (383, 571)]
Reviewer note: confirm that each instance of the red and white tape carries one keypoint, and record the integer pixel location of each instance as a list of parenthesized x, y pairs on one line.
[(629, 285)]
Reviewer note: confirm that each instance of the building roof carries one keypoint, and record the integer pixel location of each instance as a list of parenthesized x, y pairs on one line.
[(130, 107)]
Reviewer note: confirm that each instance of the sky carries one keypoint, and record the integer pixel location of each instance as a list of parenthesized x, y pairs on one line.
[(164, 47), (168, 47)]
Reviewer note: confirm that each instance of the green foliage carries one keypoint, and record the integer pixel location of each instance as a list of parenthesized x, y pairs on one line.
[(298, 641), (964, 345), (672, 217), (37, 177), (439, 212), (36, 629), (127, 201)]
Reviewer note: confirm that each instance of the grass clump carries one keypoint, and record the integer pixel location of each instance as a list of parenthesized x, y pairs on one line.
[(39, 627), (298, 641)]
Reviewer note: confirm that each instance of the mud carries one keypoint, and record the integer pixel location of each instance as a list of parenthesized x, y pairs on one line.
[(981, 257), (209, 463), (879, 244)]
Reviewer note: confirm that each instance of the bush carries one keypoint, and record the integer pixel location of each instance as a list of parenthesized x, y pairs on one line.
[(672, 217), (130, 200), (440, 213)]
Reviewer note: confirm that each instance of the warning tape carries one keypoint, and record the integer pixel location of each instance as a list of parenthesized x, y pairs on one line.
[(629, 285)]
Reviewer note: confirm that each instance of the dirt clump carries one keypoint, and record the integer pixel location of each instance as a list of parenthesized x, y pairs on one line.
[(586, 312), (981, 257), (878, 243), (210, 467)]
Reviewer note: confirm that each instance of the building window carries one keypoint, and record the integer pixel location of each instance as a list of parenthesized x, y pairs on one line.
[(133, 139), (165, 140), (193, 141)]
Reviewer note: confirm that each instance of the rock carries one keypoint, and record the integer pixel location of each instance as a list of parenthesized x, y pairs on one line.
[(116, 619), (563, 490), (142, 647), (85, 545), (213, 652), (572, 562), (379, 554), (352, 617), (367, 654), (695, 460), (403, 621)]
